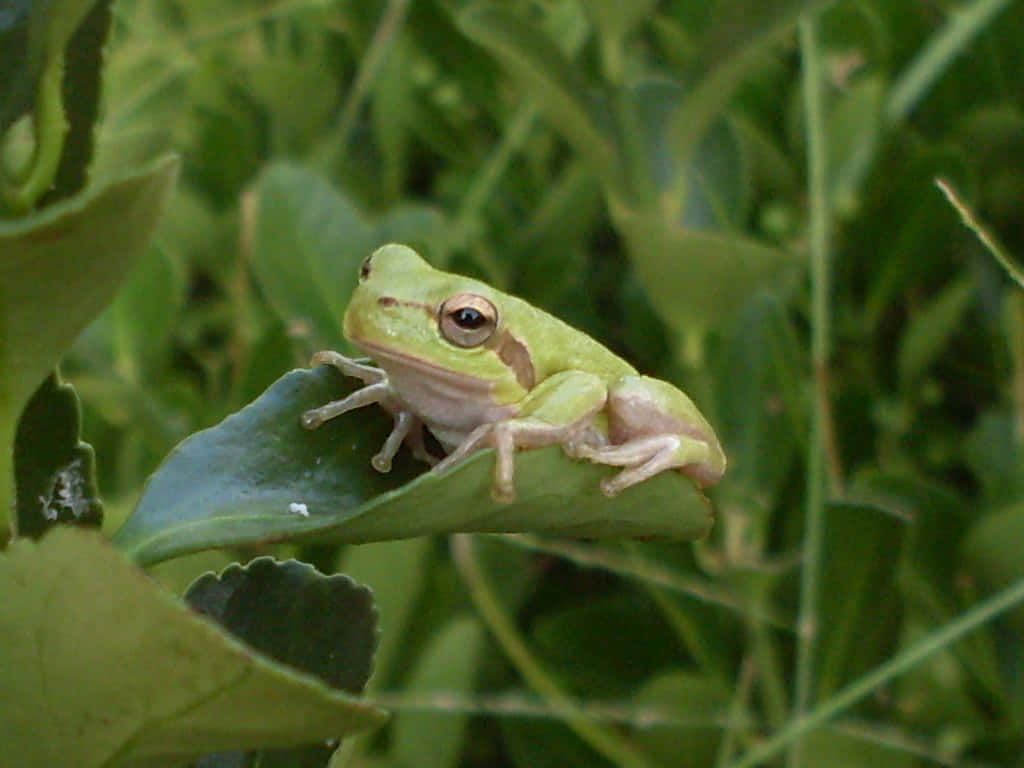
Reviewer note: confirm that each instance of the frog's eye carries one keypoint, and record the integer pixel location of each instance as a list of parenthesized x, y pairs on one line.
[(364, 270), (468, 320)]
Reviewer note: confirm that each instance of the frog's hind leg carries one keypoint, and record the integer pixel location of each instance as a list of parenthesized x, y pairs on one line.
[(645, 457), (652, 426)]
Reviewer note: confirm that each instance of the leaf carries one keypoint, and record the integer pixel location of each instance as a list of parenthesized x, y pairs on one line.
[(448, 663), (843, 750), (992, 549), (308, 243), (686, 695), (996, 456), (930, 329), (101, 667), (860, 604), (54, 474), (59, 267), (238, 482), (733, 45), (854, 131), (309, 240), (325, 626), (759, 394), (144, 316), (585, 642), (81, 97), (696, 279), (548, 77), (322, 625)]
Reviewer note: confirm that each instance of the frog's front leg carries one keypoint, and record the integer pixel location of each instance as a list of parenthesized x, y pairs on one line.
[(652, 426), (407, 427), (556, 411)]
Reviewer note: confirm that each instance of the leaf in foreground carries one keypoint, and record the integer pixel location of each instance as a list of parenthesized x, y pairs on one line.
[(100, 666), (59, 267), (258, 476)]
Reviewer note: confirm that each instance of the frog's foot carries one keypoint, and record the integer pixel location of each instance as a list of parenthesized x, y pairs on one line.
[(644, 457)]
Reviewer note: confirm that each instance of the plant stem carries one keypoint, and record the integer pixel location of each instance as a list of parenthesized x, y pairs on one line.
[(22, 187), (814, 525), (884, 673), (602, 740)]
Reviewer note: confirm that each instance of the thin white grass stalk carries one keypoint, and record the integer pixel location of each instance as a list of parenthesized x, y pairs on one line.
[(990, 241), (527, 706)]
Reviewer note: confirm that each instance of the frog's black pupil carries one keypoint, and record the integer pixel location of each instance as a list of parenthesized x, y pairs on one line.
[(467, 317), (364, 271)]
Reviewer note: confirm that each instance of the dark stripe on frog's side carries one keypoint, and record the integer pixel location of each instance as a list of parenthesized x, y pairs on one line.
[(516, 356)]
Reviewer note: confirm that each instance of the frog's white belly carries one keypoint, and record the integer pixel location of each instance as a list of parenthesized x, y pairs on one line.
[(450, 404)]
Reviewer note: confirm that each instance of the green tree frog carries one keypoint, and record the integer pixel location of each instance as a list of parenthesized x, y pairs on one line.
[(482, 369)]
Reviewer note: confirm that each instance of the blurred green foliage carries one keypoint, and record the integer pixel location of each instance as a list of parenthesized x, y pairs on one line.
[(640, 170)]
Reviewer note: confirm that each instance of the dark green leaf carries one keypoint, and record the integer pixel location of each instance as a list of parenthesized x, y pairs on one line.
[(996, 455), (243, 482), (930, 329), (316, 756), (53, 469), (83, 62), (733, 45), (860, 602), (592, 652), (100, 666), (322, 625), (854, 129), (686, 696), (697, 278), (992, 550), (759, 394), (534, 743), (841, 750)]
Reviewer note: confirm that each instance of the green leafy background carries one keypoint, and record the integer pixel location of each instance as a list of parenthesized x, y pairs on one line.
[(646, 171)]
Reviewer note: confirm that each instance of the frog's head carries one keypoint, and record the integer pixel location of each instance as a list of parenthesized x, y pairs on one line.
[(405, 313)]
